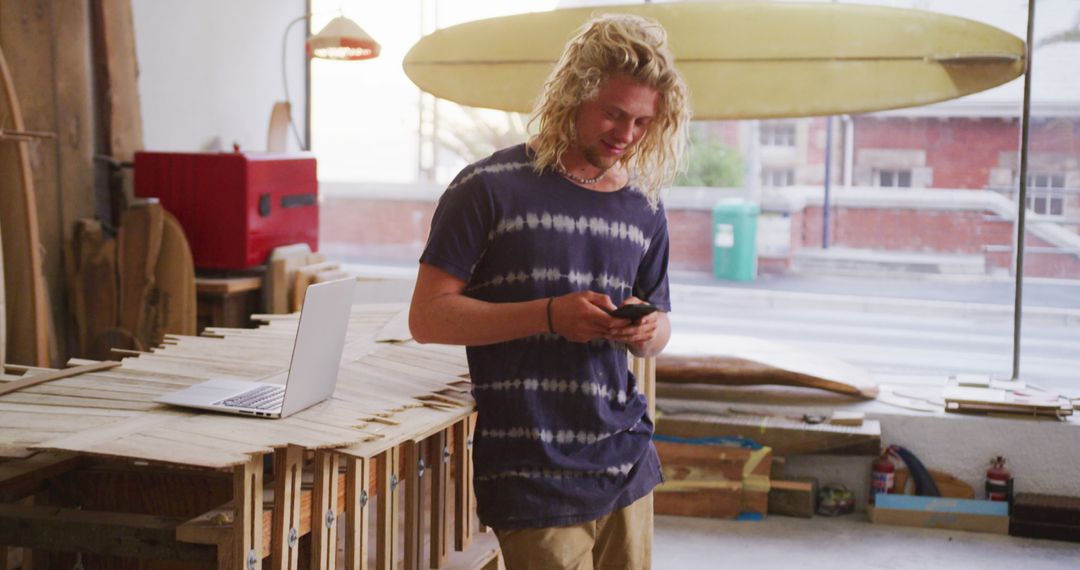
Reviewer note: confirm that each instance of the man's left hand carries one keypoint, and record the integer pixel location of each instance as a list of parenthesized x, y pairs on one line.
[(637, 334)]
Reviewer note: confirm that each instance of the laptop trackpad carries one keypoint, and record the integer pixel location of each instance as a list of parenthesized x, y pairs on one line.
[(211, 391)]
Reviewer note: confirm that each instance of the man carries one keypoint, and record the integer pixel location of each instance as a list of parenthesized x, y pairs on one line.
[(529, 249)]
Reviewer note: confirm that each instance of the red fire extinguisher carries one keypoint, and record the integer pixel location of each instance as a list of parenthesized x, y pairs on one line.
[(882, 476), (999, 481)]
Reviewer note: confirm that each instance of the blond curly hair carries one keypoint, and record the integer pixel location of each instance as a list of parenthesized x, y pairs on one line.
[(607, 45)]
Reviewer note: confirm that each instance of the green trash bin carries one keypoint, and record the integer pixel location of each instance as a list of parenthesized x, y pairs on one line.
[(735, 240)]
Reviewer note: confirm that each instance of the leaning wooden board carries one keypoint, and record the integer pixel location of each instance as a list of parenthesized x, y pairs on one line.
[(740, 59), (3, 315), (27, 302)]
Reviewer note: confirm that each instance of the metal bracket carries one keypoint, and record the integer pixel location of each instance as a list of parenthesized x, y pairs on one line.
[(393, 482), (420, 469), (446, 454), (252, 559), (468, 443), (329, 518), (363, 498)]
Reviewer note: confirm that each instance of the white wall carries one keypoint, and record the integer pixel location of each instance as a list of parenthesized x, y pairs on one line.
[(210, 72)]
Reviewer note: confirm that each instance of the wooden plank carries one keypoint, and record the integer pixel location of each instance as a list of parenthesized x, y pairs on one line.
[(93, 291), (357, 476), (138, 248), (414, 471), (463, 490), (118, 76), (288, 475), (23, 478), (26, 295), (113, 534), (784, 435), (324, 509), (227, 285), (247, 536), (55, 375), (439, 454), (386, 526), (27, 32), (174, 305)]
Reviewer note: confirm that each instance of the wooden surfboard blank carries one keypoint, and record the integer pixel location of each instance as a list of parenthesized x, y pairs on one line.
[(174, 302), (27, 304), (740, 59), (736, 360)]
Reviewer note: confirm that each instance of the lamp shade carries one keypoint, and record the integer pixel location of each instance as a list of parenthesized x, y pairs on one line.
[(342, 39)]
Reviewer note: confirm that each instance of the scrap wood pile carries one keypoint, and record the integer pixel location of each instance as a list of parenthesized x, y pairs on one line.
[(385, 392), (289, 271), (127, 292)]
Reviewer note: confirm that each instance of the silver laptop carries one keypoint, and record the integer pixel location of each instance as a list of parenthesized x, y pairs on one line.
[(320, 339)]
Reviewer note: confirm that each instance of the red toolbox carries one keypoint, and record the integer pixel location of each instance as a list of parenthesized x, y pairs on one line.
[(234, 207)]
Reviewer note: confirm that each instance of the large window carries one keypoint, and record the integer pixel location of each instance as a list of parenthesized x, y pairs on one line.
[(903, 262), (1045, 193)]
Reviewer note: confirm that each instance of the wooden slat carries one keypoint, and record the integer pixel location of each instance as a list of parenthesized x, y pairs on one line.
[(247, 537), (463, 491), (113, 534), (288, 475), (439, 461), (324, 511), (56, 375), (414, 471), (357, 475), (386, 527)]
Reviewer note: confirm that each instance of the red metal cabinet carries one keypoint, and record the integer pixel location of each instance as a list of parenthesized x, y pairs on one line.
[(234, 207)]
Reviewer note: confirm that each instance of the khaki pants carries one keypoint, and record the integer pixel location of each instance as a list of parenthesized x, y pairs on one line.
[(621, 540)]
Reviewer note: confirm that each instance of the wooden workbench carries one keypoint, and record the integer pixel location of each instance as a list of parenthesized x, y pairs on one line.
[(394, 439)]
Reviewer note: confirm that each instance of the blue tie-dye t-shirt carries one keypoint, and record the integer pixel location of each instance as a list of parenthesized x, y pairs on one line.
[(562, 434)]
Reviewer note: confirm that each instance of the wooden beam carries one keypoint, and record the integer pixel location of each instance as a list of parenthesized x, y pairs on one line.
[(415, 469), (386, 528), (439, 454), (25, 477), (288, 476), (463, 491), (111, 534), (247, 532), (55, 375), (324, 509), (357, 475)]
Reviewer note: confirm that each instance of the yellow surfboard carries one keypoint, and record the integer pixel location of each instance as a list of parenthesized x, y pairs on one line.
[(742, 59)]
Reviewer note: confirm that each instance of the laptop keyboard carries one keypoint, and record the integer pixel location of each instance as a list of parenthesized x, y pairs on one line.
[(259, 398)]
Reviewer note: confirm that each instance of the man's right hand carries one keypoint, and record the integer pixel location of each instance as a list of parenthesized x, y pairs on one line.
[(582, 316)]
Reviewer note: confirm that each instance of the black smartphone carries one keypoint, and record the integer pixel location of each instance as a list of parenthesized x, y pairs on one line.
[(633, 312)]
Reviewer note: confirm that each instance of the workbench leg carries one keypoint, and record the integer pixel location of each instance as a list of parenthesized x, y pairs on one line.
[(386, 527), (357, 475), (248, 522), (463, 491), (324, 513), (285, 533), (439, 459), (415, 469)]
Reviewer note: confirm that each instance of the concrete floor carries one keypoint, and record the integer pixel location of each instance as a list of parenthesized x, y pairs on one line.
[(683, 543)]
